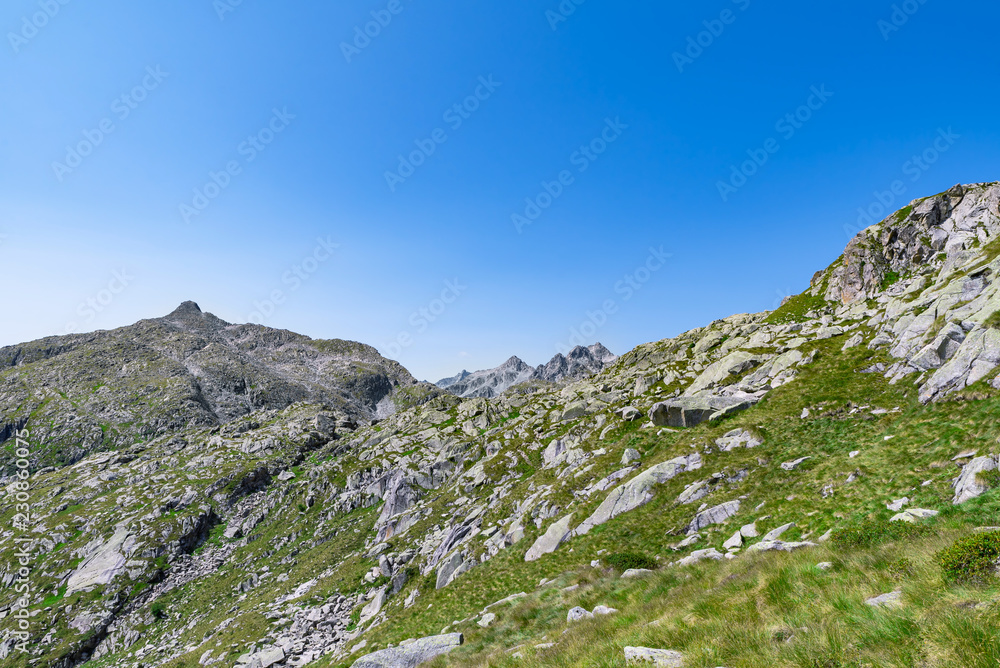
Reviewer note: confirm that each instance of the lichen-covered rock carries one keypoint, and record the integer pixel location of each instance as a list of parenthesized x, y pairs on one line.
[(412, 654), (637, 491)]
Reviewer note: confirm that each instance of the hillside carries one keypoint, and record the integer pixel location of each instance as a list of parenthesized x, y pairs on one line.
[(725, 495)]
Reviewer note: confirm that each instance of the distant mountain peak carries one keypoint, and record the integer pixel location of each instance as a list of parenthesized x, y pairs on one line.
[(579, 362)]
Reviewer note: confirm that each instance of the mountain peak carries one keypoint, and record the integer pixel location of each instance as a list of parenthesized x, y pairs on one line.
[(187, 308)]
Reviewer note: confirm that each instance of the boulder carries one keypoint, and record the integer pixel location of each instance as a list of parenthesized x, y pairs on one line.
[(714, 515), (630, 455), (737, 438), (792, 465), (451, 568), (578, 613), (890, 600), (690, 411), (969, 484), (412, 654), (660, 658), (775, 534), (779, 546), (636, 573), (575, 410), (638, 491), (898, 504), (631, 414), (913, 514), (556, 534), (701, 555), (373, 607), (104, 563), (736, 541)]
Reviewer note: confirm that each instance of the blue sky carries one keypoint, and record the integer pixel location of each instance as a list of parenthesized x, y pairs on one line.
[(248, 157)]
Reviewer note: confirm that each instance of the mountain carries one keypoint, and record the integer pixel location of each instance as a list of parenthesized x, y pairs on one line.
[(579, 362), (109, 389), (816, 485)]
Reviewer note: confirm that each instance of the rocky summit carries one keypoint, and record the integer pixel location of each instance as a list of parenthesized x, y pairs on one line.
[(811, 486), (580, 362)]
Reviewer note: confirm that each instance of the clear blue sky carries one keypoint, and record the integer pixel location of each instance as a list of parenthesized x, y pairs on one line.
[(184, 86)]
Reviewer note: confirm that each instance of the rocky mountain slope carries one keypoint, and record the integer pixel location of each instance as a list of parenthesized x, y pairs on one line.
[(107, 390), (578, 363), (773, 489)]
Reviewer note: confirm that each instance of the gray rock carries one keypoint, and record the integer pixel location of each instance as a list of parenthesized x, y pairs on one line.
[(912, 515), (969, 484), (104, 563), (659, 658), (630, 455), (734, 542), (898, 504), (638, 491), (374, 605), (737, 438), (578, 613), (553, 537), (714, 515), (792, 465), (977, 356), (890, 600), (775, 534), (779, 546), (689, 411), (412, 654), (486, 619), (701, 555), (636, 573), (575, 410), (631, 414)]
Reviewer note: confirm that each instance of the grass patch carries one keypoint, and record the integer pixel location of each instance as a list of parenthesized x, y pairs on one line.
[(873, 532)]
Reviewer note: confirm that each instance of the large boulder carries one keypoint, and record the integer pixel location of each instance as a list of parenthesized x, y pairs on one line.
[(550, 540), (104, 563), (660, 658), (637, 491), (412, 654), (691, 411), (970, 483), (976, 357), (714, 515)]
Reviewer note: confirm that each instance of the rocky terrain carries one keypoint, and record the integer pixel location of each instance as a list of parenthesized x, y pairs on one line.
[(87, 392), (771, 489), (580, 362)]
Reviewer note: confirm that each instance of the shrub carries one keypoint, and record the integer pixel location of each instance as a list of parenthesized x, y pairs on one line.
[(971, 559), (623, 561), (159, 610), (900, 568), (876, 532)]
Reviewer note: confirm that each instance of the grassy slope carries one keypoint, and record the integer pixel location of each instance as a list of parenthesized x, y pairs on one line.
[(761, 610)]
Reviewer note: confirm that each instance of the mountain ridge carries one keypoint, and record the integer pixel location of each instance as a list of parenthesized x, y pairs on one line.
[(579, 362)]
